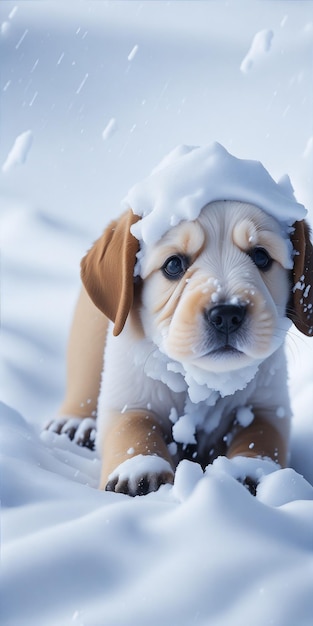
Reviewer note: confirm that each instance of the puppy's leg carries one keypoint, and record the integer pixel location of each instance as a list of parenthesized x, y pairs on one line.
[(135, 455), (261, 439), (84, 366)]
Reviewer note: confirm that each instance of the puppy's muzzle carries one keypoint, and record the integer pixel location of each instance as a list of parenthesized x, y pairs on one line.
[(226, 318)]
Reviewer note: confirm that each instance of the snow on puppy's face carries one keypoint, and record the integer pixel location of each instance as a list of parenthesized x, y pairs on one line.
[(215, 290)]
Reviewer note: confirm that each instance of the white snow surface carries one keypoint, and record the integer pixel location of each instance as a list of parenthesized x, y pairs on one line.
[(19, 151), (191, 177), (204, 551), (261, 44)]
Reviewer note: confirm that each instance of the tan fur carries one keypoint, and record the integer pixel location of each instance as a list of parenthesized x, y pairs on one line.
[(171, 316), (259, 439), (175, 319), (107, 270), (136, 432), (87, 338)]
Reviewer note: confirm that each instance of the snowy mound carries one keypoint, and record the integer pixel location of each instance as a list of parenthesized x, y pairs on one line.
[(190, 177), (201, 552)]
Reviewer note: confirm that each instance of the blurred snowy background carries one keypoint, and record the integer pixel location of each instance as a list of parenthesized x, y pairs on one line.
[(93, 95)]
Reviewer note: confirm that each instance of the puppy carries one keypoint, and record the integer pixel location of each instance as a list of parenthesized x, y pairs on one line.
[(195, 365), (200, 278)]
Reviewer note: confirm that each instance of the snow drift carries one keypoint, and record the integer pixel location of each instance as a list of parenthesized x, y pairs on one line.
[(203, 551)]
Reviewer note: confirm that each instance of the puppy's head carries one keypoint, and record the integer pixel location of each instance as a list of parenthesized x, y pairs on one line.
[(215, 292)]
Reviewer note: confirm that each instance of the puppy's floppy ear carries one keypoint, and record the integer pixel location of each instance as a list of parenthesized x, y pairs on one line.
[(107, 270), (300, 309)]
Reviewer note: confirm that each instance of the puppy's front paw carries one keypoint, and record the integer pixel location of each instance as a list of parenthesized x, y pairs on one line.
[(80, 430), (249, 483), (140, 475), (248, 471)]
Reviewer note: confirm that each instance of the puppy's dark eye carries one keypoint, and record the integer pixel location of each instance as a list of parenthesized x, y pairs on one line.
[(261, 259), (175, 266)]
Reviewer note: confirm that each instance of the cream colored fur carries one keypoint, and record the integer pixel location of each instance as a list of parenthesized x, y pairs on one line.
[(178, 380), (169, 325)]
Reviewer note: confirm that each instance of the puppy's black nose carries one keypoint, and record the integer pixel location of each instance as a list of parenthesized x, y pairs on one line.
[(227, 318)]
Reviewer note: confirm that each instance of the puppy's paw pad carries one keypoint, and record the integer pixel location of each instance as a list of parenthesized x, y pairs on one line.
[(86, 433), (117, 486), (248, 471), (81, 431), (250, 484), (56, 425), (140, 475)]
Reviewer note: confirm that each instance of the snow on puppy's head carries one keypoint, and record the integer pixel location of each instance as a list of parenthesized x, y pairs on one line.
[(190, 177)]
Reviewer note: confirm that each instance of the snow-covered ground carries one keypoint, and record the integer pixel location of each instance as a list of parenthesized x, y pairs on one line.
[(93, 95)]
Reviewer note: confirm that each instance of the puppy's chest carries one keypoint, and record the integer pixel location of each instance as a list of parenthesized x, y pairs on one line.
[(212, 418), (141, 377), (173, 395), (138, 376)]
